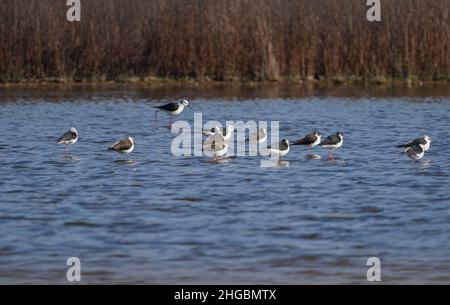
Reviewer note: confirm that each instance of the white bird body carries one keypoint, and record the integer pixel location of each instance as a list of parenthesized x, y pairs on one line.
[(216, 145)]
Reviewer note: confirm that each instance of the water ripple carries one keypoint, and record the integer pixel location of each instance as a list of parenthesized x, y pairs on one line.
[(154, 218)]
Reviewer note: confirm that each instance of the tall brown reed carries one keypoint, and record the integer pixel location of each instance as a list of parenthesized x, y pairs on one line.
[(224, 40)]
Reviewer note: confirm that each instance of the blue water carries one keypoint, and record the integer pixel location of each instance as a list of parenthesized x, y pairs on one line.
[(162, 219)]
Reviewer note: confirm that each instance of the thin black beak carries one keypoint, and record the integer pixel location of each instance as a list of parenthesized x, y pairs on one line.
[(189, 106)]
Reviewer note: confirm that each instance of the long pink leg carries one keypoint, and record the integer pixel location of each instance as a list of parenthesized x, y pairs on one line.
[(170, 122), (67, 150), (331, 157)]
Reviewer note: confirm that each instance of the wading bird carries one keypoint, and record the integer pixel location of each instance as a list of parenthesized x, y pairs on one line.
[(123, 147), (280, 149), (415, 152), (69, 138), (311, 140), (215, 145), (172, 109), (333, 142)]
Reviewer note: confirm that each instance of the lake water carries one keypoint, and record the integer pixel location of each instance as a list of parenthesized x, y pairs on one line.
[(162, 219)]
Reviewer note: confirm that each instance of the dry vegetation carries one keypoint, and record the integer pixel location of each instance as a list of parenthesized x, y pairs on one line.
[(224, 40)]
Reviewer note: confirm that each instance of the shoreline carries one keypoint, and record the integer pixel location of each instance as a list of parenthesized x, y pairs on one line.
[(172, 89), (334, 81)]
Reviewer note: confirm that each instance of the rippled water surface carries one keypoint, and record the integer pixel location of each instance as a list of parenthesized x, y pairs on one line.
[(162, 219)]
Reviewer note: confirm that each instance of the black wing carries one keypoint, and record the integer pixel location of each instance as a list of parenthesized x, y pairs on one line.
[(68, 136), (331, 140), (414, 142), (169, 107), (415, 149), (308, 140)]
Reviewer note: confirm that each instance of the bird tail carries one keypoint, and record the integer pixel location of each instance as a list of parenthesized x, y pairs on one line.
[(299, 142)]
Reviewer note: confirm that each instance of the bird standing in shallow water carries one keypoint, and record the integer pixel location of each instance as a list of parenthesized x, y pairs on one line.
[(215, 145), (311, 140), (173, 109), (69, 138), (125, 146), (333, 142)]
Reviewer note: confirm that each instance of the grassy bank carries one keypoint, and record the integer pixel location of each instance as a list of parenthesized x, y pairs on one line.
[(233, 40)]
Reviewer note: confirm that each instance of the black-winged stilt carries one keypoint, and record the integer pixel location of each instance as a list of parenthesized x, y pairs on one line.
[(173, 109), (69, 138), (333, 142)]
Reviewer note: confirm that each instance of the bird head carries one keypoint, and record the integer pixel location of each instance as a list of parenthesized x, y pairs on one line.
[(185, 103), (230, 128), (216, 129), (73, 129)]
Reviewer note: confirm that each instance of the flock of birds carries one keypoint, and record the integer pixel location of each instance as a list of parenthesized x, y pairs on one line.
[(217, 139)]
